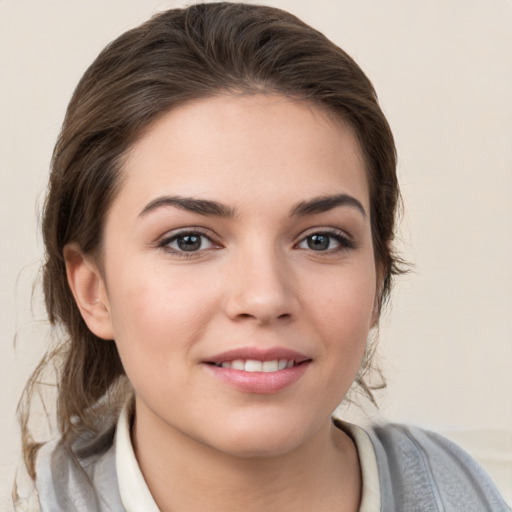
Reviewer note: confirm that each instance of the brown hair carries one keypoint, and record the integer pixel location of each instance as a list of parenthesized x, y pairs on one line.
[(177, 56)]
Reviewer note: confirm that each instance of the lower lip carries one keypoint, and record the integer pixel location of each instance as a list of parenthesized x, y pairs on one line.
[(260, 382)]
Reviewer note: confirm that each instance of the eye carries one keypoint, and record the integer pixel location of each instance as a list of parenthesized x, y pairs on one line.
[(326, 241), (187, 242)]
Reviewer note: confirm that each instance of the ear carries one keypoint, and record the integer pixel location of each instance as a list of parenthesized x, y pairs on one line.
[(89, 291)]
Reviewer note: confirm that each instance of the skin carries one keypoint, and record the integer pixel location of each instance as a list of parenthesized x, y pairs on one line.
[(254, 282)]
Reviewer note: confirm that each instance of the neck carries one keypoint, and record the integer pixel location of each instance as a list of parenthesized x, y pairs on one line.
[(184, 474)]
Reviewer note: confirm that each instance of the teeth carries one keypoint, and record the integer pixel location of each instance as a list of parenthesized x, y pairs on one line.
[(270, 366), (253, 365), (238, 364)]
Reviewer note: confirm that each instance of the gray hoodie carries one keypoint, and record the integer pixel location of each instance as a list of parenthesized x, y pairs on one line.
[(418, 471)]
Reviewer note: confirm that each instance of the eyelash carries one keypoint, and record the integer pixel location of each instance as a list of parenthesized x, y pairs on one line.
[(345, 243), (165, 242)]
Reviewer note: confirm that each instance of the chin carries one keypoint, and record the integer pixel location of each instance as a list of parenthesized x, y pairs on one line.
[(263, 438), (252, 447)]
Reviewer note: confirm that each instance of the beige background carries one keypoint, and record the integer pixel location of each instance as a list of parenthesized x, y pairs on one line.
[(443, 71)]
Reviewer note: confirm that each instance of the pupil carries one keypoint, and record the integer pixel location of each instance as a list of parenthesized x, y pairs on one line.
[(189, 242), (318, 242)]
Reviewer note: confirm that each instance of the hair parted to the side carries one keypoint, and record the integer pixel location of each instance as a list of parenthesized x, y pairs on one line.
[(178, 56)]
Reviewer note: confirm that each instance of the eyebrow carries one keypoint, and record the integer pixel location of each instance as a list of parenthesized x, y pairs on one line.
[(325, 203), (216, 209), (191, 204)]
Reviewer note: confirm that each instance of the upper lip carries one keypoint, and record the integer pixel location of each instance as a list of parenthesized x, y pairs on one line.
[(258, 354)]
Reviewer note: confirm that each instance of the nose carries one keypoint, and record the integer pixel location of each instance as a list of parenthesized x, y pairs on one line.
[(261, 288)]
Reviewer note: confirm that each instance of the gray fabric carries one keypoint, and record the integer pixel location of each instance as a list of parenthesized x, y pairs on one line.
[(419, 471), (80, 477)]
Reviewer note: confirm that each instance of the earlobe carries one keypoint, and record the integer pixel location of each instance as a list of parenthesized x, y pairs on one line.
[(88, 288)]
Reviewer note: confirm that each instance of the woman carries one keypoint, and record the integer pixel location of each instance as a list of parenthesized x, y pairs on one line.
[(219, 228)]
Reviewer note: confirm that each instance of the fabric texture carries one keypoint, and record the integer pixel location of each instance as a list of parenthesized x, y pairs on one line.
[(81, 476), (421, 471), (416, 470)]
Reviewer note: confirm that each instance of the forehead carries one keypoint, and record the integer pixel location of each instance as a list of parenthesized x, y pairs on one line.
[(234, 147)]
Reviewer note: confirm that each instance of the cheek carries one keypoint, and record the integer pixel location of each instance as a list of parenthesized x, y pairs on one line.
[(345, 300), (157, 315), (343, 308)]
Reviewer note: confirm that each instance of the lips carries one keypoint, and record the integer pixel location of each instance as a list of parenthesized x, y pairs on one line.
[(257, 370), (255, 359)]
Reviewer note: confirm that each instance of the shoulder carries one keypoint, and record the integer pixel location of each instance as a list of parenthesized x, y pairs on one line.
[(78, 477), (422, 470)]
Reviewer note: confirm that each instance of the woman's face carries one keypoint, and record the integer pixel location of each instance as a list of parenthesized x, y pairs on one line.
[(239, 272)]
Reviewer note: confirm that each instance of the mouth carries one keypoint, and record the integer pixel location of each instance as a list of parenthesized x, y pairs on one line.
[(259, 370), (259, 360), (255, 365)]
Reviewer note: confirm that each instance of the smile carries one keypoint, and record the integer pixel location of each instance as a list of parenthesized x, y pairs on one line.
[(258, 370), (253, 365)]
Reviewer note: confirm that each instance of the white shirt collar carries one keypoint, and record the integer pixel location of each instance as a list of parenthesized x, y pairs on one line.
[(133, 489)]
